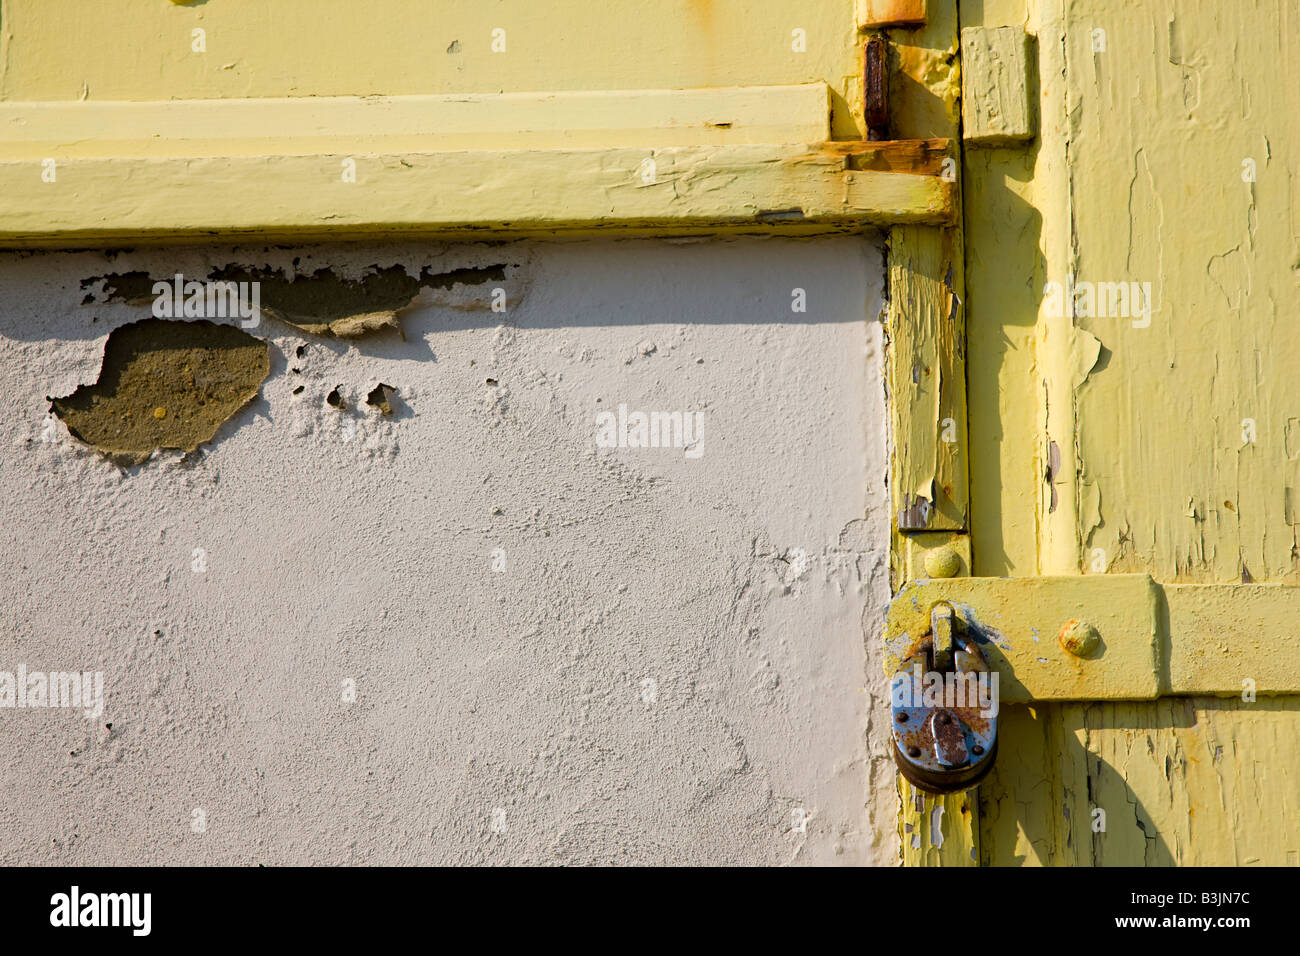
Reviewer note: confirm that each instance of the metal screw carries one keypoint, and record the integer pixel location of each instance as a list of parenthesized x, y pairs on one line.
[(902, 717), (914, 751), (1078, 638), (945, 718), (977, 750)]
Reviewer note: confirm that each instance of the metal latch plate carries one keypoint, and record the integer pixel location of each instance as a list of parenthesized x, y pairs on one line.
[(1018, 623)]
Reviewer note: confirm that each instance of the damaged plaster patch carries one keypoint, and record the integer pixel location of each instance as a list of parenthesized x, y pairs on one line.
[(381, 397), (327, 303), (165, 384), (133, 288)]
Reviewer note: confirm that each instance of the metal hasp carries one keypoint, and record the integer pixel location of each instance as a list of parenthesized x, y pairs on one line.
[(875, 84), (944, 708), (1108, 636)]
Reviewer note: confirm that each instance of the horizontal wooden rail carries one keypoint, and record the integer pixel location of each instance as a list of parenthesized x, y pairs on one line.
[(630, 162)]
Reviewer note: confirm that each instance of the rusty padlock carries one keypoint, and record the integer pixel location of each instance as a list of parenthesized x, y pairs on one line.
[(944, 704)]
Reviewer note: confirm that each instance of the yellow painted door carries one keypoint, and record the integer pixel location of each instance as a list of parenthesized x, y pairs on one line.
[(1133, 370)]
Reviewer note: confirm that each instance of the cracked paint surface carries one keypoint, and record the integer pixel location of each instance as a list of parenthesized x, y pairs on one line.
[(1137, 446), (1183, 173), (323, 302), (1178, 779)]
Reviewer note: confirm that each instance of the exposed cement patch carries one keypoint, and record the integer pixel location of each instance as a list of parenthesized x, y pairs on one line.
[(133, 288), (324, 302), (381, 397), (165, 384)]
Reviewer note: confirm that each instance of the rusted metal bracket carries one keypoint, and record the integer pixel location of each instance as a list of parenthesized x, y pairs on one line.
[(875, 82), (890, 13), (1112, 636)]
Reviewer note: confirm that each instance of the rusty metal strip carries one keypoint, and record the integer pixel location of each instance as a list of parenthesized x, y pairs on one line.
[(875, 83), (890, 13)]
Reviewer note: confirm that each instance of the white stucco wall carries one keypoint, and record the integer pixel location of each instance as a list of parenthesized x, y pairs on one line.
[(370, 560)]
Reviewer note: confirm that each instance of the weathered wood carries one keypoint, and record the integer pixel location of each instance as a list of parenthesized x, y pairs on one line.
[(647, 161), (937, 830), (927, 379), (363, 125), (926, 368), (1186, 781), (996, 80), (921, 157), (1188, 435), (786, 189), (140, 51)]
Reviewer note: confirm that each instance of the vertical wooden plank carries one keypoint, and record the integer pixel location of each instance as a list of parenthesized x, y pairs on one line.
[(1013, 201), (927, 381), (926, 371), (927, 377), (1022, 777), (1192, 490), (937, 830), (1073, 809)]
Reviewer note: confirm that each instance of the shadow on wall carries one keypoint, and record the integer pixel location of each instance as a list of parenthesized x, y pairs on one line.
[(163, 382), (1005, 273), (1116, 783), (304, 287)]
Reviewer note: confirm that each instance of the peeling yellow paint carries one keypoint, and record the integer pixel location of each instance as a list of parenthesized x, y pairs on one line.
[(1183, 169), (927, 382), (781, 188), (1158, 438), (936, 830), (1188, 781)]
